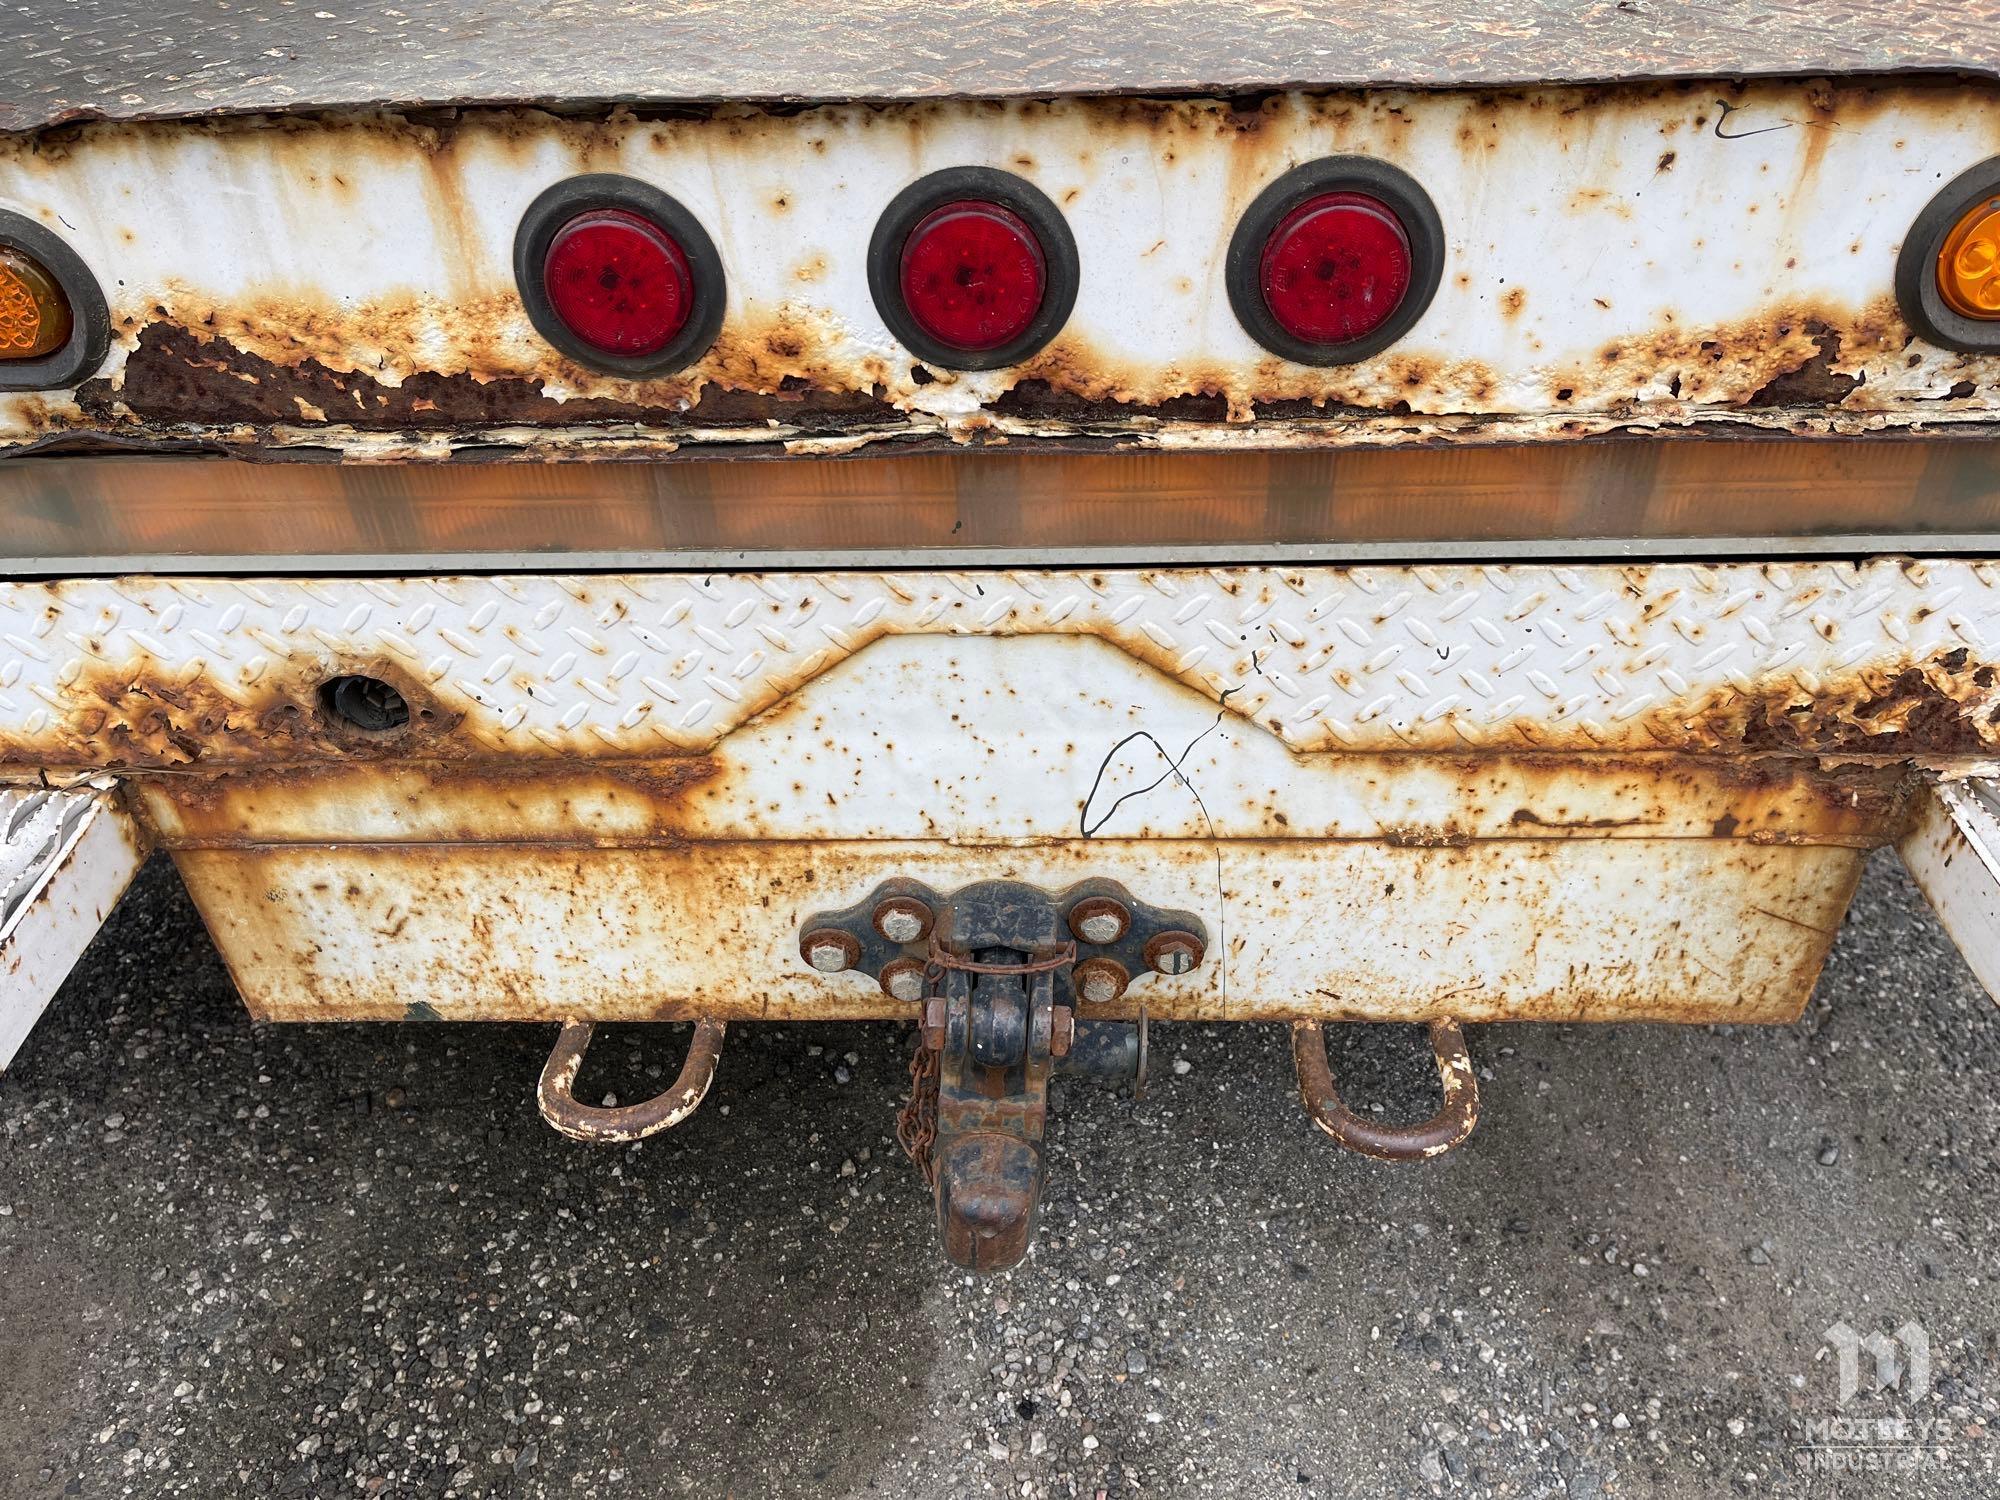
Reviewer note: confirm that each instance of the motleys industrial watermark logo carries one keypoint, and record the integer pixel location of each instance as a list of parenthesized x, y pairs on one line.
[(1883, 1419), (1897, 1362)]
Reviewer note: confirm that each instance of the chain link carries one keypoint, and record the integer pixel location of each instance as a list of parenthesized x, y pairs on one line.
[(916, 1125), (917, 1121), (942, 958)]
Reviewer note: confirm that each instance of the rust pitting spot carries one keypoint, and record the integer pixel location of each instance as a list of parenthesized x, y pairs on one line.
[(1527, 815), (1426, 838), (176, 377), (142, 717), (1814, 382)]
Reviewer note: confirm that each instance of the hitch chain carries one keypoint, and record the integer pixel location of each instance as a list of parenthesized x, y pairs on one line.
[(916, 1122)]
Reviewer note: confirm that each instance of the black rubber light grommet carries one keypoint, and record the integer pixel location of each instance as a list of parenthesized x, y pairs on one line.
[(556, 207), (90, 320), (1060, 274), (1389, 186), (1917, 294)]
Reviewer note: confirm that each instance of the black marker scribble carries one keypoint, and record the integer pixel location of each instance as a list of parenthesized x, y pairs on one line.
[(1172, 772), (1729, 109)]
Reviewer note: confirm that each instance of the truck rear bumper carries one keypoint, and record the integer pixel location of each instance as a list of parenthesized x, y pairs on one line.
[(1516, 792)]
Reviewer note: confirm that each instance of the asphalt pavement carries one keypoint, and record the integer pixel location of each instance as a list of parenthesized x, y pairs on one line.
[(351, 1261)]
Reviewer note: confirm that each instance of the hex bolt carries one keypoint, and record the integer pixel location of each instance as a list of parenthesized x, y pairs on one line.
[(1174, 952), (903, 980), (902, 919), (1062, 1031), (1099, 981), (1102, 928), (1099, 919), (830, 950)]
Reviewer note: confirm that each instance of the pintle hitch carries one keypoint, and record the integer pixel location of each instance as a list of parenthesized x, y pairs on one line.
[(1000, 971)]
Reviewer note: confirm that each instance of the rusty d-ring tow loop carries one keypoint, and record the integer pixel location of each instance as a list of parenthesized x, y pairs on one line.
[(1433, 1137), (626, 1122)]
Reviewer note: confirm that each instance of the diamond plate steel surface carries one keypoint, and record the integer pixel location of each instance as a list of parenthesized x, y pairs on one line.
[(1890, 656), (126, 58)]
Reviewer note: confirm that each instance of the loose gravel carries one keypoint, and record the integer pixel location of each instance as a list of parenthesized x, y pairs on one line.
[(350, 1260)]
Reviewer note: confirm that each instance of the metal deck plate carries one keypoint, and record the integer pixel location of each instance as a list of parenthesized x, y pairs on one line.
[(151, 58), (1891, 657)]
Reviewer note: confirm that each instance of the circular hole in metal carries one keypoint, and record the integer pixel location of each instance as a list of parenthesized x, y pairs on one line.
[(365, 703)]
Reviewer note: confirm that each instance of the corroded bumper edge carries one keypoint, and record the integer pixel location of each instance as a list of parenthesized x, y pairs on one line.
[(1953, 853), (65, 858)]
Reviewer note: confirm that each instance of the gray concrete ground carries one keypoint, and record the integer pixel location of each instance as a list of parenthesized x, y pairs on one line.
[(351, 1261)]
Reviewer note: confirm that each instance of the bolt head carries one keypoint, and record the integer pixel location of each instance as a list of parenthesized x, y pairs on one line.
[(902, 919), (906, 984), (1100, 927), (1099, 981), (828, 958), (1174, 958), (1099, 919)]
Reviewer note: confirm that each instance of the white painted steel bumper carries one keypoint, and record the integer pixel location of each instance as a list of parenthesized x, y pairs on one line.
[(1953, 852), (1502, 792), (65, 859)]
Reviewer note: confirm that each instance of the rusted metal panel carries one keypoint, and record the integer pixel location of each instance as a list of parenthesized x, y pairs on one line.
[(1561, 929), (945, 780), (1953, 852), (1707, 257), (66, 857), (1521, 792), (981, 507), (1334, 884), (1893, 657), (147, 58)]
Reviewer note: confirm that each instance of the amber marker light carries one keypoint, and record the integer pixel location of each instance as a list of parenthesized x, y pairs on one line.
[(1968, 265), (35, 319), (1948, 269)]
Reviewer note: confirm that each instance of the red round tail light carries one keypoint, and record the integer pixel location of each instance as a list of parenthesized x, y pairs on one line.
[(972, 268), (973, 275), (619, 282), (1335, 261), (619, 276), (1336, 268)]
